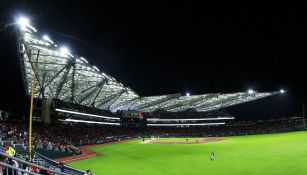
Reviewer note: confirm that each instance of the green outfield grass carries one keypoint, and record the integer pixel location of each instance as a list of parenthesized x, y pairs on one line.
[(276, 154)]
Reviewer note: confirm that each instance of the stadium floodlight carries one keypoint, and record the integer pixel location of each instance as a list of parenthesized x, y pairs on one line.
[(282, 91), (23, 21), (46, 37), (250, 91), (64, 51), (90, 122), (187, 94), (96, 68), (85, 114), (84, 59)]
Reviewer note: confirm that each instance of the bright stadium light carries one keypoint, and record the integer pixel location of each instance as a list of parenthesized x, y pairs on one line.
[(84, 59), (96, 68), (85, 114), (250, 91), (282, 91), (23, 21), (64, 51), (90, 122), (46, 37), (187, 94)]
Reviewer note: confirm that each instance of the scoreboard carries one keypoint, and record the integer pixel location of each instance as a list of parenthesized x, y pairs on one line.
[(132, 118), (132, 114)]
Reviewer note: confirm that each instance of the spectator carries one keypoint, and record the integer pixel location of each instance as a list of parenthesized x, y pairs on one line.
[(88, 172)]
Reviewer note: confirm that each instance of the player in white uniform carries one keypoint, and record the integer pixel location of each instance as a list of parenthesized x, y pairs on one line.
[(211, 155)]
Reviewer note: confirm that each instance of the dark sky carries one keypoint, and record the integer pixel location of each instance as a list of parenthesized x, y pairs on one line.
[(169, 47)]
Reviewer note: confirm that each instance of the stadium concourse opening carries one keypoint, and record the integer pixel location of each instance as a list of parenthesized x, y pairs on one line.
[(78, 107)]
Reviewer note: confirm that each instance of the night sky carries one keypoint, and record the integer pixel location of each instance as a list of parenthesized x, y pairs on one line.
[(171, 47)]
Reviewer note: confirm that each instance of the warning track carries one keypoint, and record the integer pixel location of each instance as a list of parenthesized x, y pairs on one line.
[(86, 152)]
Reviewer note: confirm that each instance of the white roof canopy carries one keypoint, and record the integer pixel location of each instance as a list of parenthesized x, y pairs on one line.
[(71, 78)]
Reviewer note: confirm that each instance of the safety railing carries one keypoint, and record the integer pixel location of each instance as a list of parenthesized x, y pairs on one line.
[(39, 159), (67, 169), (14, 169), (9, 169)]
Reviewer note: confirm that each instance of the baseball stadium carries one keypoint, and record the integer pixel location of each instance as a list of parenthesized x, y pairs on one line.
[(84, 121)]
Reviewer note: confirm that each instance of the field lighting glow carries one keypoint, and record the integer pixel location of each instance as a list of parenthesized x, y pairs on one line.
[(89, 122), (85, 114), (64, 51), (250, 91), (282, 91), (23, 21), (46, 37), (187, 94)]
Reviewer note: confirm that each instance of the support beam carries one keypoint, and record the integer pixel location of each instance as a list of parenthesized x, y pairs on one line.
[(72, 98), (43, 85), (95, 89), (46, 106), (66, 67), (22, 53), (167, 98), (114, 100), (190, 102), (240, 98), (94, 100), (218, 101), (63, 79), (125, 103), (110, 98), (159, 106), (222, 102), (133, 103), (91, 87), (29, 53)]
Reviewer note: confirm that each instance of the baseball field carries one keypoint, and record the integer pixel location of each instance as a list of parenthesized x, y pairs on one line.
[(270, 154)]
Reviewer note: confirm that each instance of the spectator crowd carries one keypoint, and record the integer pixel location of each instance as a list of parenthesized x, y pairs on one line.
[(67, 136)]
